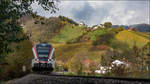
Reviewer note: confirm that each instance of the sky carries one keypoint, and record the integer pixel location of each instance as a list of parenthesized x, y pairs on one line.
[(92, 12)]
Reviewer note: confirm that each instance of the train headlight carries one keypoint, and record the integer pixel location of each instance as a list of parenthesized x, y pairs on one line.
[(35, 60), (49, 60)]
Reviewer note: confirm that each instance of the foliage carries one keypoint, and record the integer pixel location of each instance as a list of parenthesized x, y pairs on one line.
[(43, 32), (117, 30), (119, 71), (10, 12), (143, 34), (65, 19), (81, 51), (69, 34), (104, 39), (107, 24), (52, 27), (80, 70), (130, 38), (94, 34), (75, 64), (21, 56), (115, 44), (109, 56)]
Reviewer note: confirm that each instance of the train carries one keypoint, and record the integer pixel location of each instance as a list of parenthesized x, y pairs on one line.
[(43, 57)]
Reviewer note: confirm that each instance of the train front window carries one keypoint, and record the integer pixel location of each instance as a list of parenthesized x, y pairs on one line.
[(43, 53)]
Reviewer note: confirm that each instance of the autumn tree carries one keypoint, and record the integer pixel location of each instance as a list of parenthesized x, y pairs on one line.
[(145, 57), (107, 24), (75, 64)]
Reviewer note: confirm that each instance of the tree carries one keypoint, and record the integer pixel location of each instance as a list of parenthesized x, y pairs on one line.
[(104, 39), (107, 24), (10, 12), (75, 64), (145, 57)]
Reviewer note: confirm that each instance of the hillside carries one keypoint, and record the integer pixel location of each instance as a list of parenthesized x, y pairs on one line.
[(69, 33), (81, 50), (133, 38), (72, 53), (140, 27), (44, 29)]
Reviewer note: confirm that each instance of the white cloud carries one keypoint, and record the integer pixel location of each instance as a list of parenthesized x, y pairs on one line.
[(125, 14), (96, 12)]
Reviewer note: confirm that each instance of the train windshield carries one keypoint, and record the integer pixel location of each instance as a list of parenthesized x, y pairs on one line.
[(43, 52)]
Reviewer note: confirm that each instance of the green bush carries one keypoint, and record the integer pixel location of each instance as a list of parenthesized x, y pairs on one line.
[(104, 39), (107, 24), (94, 34), (117, 30)]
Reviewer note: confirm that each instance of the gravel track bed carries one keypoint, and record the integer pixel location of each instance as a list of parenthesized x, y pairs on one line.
[(45, 79)]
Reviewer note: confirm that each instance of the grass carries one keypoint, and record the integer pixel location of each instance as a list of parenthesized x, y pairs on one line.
[(70, 73), (69, 34), (66, 51), (143, 34), (93, 35), (132, 38), (83, 74)]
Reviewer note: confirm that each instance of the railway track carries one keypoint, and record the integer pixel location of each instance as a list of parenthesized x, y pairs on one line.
[(114, 78), (68, 79)]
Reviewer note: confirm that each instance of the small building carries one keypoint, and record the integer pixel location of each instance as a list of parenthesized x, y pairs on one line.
[(95, 27), (101, 26), (106, 69), (132, 29), (22, 25), (119, 63), (81, 23), (103, 70)]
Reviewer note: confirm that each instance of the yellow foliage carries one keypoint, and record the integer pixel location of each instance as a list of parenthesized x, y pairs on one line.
[(131, 38)]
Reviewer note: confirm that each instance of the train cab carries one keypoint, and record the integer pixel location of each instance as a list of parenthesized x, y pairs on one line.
[(43, 57)]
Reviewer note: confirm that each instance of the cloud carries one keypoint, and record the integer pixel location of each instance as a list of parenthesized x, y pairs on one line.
[(85, 13), (96, 12), (129, 14)]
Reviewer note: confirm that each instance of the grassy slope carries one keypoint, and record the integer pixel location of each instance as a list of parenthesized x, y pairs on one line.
[(93, 35), (83, 49), (131, 38), (69, 33), (146, 35), (66, 51)]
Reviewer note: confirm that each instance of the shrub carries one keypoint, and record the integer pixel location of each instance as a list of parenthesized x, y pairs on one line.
[(104, 39), (107, 24), (119, 71), (94, 34)]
